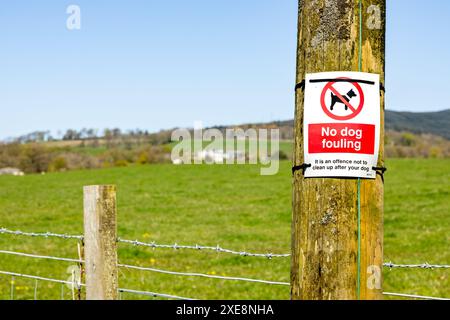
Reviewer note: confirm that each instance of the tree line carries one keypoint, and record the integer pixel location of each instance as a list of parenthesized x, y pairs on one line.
[(76, 135), (87, 148)]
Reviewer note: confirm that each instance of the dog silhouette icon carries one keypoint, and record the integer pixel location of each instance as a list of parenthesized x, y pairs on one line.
[(335, 99)]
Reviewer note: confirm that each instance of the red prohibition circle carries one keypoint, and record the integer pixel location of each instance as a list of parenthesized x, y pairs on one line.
[(356, 111)]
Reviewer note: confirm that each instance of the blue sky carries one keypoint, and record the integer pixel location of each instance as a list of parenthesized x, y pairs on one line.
[(154, 64)]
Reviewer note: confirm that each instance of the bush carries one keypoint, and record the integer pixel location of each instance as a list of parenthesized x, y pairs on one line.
[(114, 155), (408, 139), (80, 161), (435, 152), (58, 164), (121, 163), (152, 154), (34, 158), (142, 158)]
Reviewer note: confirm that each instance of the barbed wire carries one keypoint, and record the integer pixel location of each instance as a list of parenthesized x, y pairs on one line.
[(155, 295), (153, 245), (416, 266), (197, 247), (191, 274), (43, 234), (404, 295), (217, 248)]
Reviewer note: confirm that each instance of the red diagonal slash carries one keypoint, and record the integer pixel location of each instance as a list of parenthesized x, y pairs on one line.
[(342, 99)]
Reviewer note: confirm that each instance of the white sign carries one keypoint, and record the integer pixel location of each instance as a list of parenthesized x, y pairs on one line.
[(342, 124)]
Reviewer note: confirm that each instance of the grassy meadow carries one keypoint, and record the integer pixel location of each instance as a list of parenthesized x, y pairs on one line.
[(228, 205)]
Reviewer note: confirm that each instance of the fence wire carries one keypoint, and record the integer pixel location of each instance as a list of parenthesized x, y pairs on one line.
[(42, 235), (413, 296), (27, 276), (74, 284), (202, 275), (35, 256), (153, 245), (188, 274), (154, 294), (416, 266), (197, 247)]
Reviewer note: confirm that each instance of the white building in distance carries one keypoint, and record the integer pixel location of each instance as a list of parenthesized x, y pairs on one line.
[(11, 172)]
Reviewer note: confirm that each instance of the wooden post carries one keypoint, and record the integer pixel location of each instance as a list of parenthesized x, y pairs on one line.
[(325, 211), (100, 241)]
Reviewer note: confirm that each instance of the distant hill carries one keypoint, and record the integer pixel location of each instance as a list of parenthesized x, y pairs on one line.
[(437, 123), (408, 134)]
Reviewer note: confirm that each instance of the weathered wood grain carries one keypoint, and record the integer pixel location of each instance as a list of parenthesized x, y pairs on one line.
[(324, 222), (100, 242)]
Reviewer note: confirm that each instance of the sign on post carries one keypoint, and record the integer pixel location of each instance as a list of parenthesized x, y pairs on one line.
[(342, 124)]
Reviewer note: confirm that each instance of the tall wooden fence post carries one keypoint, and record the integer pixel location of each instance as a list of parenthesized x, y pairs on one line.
[(337, 35), (100, 241)]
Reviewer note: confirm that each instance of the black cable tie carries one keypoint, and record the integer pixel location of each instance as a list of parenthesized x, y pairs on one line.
[(336, 80), (380, 171), (302, 167), (300, 85)]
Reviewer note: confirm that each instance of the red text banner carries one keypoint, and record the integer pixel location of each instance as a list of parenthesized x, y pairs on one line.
[(341, 138)]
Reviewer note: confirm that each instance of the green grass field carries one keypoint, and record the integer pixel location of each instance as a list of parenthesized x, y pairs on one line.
[(228, 205)]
